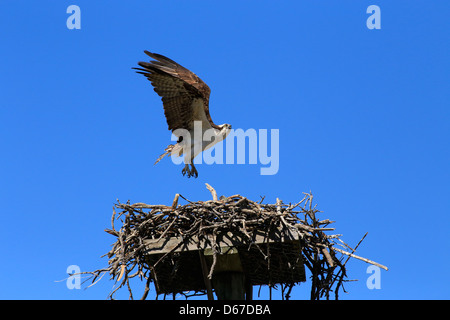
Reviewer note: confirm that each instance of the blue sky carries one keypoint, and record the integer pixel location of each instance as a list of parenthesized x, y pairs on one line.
[(363, 118)]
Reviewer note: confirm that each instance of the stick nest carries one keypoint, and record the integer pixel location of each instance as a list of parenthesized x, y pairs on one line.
[(324, 255)]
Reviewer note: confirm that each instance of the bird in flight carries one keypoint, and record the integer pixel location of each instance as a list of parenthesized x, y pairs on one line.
[(185, 99)]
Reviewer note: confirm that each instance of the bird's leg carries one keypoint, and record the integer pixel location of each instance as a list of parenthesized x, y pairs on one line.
[(194, 172), (190, 172), (186, 170)]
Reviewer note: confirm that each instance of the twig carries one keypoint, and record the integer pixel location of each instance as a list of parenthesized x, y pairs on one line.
[(360, 258), (175, 201), (213, 192)]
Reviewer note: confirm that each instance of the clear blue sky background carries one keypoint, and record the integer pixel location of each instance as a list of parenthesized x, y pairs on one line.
[(363, 118)]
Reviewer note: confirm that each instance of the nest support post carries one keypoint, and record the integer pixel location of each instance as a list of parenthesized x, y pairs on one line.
[(228, 277)]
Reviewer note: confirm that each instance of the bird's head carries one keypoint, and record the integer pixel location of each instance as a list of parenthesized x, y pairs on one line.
[(225, 130)]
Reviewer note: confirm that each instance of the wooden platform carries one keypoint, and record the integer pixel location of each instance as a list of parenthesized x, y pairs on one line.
[(181, 270)]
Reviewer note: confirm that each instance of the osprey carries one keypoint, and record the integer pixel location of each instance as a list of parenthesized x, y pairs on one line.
[(185, 99)]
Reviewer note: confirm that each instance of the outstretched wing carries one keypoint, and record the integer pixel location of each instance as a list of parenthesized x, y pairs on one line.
[(178, 88)]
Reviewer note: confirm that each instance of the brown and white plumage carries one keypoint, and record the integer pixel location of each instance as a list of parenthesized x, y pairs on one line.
[(185, 99)]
